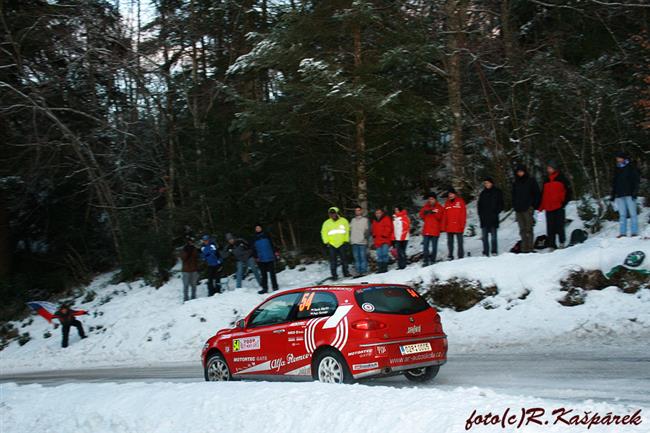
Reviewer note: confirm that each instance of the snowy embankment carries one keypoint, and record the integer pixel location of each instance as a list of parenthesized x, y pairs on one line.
[(134, 324), (261, 407)]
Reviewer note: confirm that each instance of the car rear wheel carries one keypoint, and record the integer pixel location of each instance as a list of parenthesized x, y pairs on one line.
[(421, 375), (216, 369), (332, 368)]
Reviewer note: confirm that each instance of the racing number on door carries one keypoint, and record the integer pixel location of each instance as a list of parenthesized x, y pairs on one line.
[(305, 302)]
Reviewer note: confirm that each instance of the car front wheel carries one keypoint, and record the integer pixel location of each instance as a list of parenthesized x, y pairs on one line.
[(421, 375), (216, 369), (332, 368)]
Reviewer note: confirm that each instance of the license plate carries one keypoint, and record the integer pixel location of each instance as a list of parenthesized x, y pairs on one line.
[(415, 348)]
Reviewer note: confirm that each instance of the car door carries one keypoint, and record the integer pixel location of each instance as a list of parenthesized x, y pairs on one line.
[(260, 349), (313, 310)]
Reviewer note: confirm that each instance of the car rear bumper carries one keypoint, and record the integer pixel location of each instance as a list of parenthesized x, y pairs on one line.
[(389, 371), (384, 358)]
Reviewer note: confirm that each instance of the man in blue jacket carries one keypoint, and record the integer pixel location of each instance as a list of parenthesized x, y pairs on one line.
[(210, 255), (265, 254)]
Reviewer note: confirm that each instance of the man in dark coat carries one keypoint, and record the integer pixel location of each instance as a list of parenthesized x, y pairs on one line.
[(490, 205), (265, 254), (525, 199), (556, 193), (625, 189), (68, 318), (190, 269), (210, 254), (243, 254)]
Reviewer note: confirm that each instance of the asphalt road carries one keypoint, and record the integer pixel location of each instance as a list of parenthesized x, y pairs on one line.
[(621, 378)]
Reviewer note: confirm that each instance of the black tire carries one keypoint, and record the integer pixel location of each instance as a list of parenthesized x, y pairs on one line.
[(421, 375), (217, 369), (330, 367)]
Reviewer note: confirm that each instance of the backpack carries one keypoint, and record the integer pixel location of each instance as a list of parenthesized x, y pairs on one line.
[(516, 248), (540, 242), (578, 236)]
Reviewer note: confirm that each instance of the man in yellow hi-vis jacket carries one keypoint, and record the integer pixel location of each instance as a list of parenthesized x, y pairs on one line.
[(336, 237)]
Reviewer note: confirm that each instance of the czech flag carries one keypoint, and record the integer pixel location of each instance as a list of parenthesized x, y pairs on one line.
[(48, 309)]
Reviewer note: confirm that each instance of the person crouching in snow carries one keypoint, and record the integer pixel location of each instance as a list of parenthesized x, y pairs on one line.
[(431, 215), (335, 233), (382, 234), (401, 226), (556, 193), (453, 222), (68, 318), (490, 204)]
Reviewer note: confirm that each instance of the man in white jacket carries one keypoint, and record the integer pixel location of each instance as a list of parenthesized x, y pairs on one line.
[(359, 229)]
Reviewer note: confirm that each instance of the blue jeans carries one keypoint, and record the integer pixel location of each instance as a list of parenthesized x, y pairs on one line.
[(243, 267), (627, 208), (360, 254), (382, 253), (429, 255)]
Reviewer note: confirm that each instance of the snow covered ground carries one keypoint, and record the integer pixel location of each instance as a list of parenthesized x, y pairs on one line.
[(138, 325), (259, 407)]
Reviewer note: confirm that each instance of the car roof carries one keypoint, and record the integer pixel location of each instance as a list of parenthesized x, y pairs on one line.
[(335, 287)]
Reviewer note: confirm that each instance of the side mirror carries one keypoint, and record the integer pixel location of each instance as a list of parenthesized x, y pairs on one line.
[(241, 324)]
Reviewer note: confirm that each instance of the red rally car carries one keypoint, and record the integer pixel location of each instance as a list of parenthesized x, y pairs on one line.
[(332, 334)]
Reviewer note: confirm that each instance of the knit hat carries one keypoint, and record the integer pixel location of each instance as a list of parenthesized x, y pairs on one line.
[(229, 236), (430, 195), (520, 167), (552, 163), (488, 179), (333, 209), (205, 237), (621, 155)]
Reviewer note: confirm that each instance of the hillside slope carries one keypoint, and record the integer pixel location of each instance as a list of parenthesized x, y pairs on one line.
[(135, 324)]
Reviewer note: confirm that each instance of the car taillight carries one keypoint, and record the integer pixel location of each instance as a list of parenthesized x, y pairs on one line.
[(368, 325)]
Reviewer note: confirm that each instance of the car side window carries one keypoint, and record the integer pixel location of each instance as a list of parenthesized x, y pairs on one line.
[(274, 311), (316, 304)]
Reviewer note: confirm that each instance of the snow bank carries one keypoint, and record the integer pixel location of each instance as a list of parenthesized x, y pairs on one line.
[(134, 324), (271, 407)]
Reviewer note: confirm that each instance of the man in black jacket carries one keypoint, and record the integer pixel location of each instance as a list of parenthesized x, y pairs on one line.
[(243, 254), (525, 199), (490, 204), (625, 188)]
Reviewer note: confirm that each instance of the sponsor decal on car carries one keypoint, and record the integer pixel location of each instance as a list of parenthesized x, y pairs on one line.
[(368, 307), (275, 364), (247, 343), (366, 366), (415, 329), (361, 353), (244, 359), (380, 350)]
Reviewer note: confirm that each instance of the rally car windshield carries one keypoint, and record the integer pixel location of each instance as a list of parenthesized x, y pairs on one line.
[(391, 300)]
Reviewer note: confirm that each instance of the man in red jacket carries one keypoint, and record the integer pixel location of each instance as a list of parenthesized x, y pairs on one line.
[(453, 222), (556, 193), (431, 214), (382, 233)]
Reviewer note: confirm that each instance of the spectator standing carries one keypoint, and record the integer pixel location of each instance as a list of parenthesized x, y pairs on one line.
[(382, 233), (401, 227), (335, 233), (453, 222), (431, 215), (68, 318), (556, 193), (210, 255), (190, 269), (244, 260), (625, 189), (359, 232), (525, 199), (490, 205), (265, 254)]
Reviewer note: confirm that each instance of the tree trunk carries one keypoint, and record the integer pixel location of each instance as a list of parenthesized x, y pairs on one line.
[(456, 11), (360, 135), (5, 250)]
